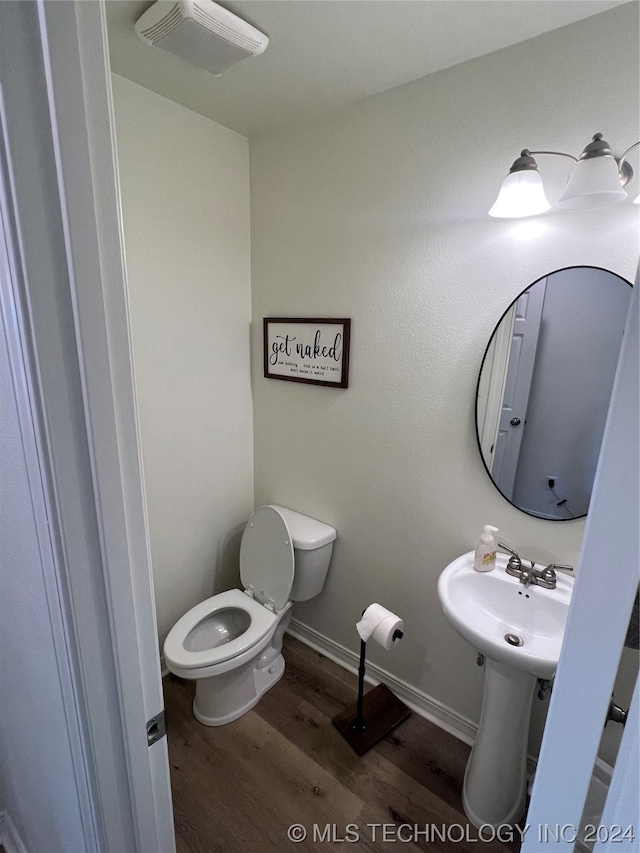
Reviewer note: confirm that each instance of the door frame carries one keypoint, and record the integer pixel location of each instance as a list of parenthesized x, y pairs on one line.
[(67, 305)]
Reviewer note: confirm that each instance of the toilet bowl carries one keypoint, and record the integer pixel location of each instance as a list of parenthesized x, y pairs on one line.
[(231, 643)]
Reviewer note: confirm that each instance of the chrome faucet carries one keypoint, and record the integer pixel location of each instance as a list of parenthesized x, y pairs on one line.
[(546, 578)]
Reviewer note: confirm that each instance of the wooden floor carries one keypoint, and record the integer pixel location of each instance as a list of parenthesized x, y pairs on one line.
[(238, 788)]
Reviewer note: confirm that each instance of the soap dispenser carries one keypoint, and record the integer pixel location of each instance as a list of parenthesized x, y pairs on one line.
[(485, 558)]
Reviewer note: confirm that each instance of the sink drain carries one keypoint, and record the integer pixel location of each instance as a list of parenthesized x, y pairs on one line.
[(513, 639)]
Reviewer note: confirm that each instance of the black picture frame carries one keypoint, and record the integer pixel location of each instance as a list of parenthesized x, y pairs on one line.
[(313, 350)]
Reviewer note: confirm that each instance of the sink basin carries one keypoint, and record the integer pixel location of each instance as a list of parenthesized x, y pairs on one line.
[(519, 630), (486, 607)]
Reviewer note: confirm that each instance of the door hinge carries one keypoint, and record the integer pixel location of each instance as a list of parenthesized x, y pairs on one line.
[(156, 728)]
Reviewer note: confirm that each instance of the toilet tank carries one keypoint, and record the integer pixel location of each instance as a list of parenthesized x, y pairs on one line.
[(312, 545)]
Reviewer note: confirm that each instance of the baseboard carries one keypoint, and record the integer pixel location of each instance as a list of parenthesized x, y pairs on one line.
[(418, 701), (9, 837), (164, 669)]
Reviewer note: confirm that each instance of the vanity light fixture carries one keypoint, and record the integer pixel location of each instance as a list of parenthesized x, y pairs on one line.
[(597, 178)]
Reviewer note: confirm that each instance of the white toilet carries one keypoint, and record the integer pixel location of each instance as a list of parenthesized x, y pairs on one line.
[(231, 643)]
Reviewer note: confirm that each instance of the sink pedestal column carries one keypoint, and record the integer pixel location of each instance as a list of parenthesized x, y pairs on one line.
[(495, 781)]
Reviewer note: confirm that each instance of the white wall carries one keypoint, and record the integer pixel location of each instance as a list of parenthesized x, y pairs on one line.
[(36, 766), (378, 212), (185, 198)]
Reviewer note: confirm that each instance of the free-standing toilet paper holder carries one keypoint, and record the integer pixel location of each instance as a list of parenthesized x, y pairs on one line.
[(384, 711)]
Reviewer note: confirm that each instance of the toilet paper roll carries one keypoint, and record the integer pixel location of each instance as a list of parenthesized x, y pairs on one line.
[(379, 624)]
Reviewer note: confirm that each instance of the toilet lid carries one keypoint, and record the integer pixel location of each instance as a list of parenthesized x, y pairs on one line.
[(266, 557)]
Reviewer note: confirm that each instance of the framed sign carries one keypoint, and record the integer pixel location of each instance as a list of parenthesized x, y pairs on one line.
[(307, 350)]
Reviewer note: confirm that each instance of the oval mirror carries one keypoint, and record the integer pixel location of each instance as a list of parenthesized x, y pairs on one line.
[(544, 388)]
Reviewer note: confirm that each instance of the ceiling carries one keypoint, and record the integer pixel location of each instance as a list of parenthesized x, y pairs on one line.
[(327, 53)]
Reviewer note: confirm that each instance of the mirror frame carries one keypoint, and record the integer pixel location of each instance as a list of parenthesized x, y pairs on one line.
[(491, 336)]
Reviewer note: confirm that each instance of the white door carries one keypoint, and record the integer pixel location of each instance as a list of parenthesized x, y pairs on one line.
[(604, 592), (60, 210), (493, 374), (522, 356)]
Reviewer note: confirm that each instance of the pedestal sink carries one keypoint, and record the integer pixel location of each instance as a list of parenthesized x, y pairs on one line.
[(519, 630)]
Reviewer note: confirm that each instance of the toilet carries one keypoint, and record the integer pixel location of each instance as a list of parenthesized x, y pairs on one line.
[(231, 643)]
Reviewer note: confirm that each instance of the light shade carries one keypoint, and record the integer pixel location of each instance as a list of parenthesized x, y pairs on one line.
[(594, 181), (521, 194)]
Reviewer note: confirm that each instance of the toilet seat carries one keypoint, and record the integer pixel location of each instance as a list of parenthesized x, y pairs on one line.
[(262, 621), (267, 568), (267, 561)]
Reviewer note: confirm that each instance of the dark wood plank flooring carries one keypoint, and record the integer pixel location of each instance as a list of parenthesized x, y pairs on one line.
[(237, 788)]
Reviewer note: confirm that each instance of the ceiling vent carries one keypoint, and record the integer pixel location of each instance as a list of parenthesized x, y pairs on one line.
[(201, 32)]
